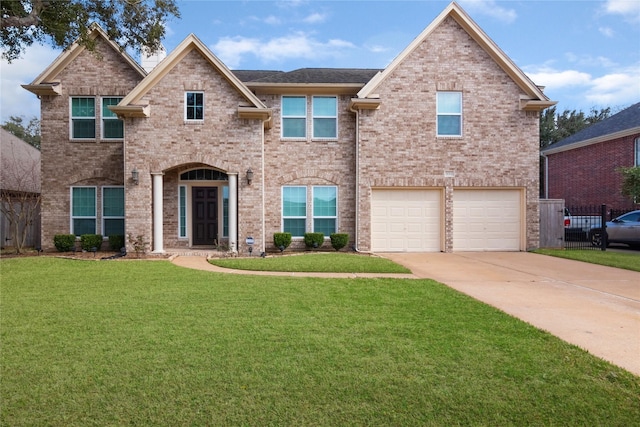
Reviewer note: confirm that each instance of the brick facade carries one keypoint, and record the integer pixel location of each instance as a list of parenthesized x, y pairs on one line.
[(587, 175), (394, 146)]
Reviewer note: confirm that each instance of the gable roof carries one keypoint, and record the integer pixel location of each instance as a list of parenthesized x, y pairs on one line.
[(534, 99), (19, 164), (310, 80), (624, 123), (131, 105), (48, 83)]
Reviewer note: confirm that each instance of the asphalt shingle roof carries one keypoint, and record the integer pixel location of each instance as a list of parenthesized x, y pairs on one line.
[(625, 119), (309, 75)]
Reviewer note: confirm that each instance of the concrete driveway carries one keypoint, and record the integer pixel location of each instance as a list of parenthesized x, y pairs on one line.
[(594, 307)]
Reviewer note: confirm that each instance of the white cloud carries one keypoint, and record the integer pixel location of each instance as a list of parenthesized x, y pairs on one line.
[(315, 18), (490, 8), (232, 50), (555, 79), (629, 9), (606, 31), (619, 87), (15, 100), (272, 20), (616, 89), (585, 60)]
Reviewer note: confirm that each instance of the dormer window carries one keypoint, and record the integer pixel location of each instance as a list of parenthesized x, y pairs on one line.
[(194, 106)]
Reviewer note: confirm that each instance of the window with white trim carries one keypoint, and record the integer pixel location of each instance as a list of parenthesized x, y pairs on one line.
[(637, 152), (322, 217), (83, 117), (112, 211), (294, 210), (83, 210), (112, 126), (325, 209), (449, 113), (194, 106), (294, 116), (325, 117)]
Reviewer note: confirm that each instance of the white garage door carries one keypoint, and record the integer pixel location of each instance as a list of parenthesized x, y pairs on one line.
[(487, 220), (405, 220)]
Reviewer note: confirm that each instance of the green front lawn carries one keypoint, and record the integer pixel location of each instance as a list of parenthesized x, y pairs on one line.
[(628, 261), (320, 262), (148, 343)]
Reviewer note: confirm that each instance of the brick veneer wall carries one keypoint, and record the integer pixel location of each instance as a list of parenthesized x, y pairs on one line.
[(399, 147), (165, 143), (587, 175), (66, 163)]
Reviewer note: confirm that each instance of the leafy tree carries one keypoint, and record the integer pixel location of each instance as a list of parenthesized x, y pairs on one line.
[(631, 182), (132, 23), (29, 133), (558, 126)]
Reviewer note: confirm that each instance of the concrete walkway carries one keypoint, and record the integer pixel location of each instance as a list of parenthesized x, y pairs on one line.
[(594, 307)]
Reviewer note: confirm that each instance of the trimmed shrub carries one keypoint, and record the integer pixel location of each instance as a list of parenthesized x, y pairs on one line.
[(116, 242), (90, 241), (282, 240), (64, 242), (339, 240), (313, 240)]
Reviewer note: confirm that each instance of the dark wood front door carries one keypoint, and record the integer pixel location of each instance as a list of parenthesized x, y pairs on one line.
[(205, 215)]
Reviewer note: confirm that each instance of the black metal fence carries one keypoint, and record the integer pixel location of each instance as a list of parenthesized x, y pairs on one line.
[(585, 227)]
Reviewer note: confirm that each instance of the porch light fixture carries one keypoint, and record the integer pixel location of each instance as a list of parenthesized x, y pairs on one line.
[(135, 176), (249, 176)]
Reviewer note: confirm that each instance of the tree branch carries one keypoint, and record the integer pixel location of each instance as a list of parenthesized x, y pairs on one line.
[(32, 19)]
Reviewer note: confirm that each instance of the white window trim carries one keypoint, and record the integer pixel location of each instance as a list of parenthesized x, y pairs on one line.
[(313, 217), (306, 207), (103, 118), (95, 208), (186, 211), (438, 135), (185, 106), (313, 117), (105, 217), (306, 119), (71, 117)]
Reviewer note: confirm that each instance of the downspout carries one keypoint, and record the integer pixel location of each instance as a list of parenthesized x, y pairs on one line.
[(356, 112)]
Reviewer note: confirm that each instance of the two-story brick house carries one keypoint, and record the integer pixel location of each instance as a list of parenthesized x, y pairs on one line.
[(583, 168), (437, 152)]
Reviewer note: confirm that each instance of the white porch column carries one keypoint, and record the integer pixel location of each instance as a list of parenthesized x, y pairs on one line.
[(233, 212), (157, 212)]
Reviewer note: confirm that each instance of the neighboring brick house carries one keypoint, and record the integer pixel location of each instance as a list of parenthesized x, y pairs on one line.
[(437, 152), (582, 169), (19, 192)]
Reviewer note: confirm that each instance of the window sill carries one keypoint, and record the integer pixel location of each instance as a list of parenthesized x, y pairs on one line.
[(193, 122)]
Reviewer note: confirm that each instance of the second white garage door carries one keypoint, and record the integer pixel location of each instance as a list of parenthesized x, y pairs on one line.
[(487, 220), (405, 220)]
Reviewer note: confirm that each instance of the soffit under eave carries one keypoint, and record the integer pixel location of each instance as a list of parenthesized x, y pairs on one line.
[(189, 44), (50, 74), (484, 41)]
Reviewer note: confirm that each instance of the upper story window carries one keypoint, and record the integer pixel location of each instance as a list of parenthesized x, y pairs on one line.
[(83, 118), (449, 107), (325, 117), (194, 106), (112, 127), (637, 152), (294, 116)]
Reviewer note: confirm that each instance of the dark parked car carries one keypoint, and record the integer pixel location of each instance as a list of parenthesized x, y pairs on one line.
[(623, 229)]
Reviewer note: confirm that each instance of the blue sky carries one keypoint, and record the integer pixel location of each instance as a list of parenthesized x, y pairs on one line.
[(586, 53)]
